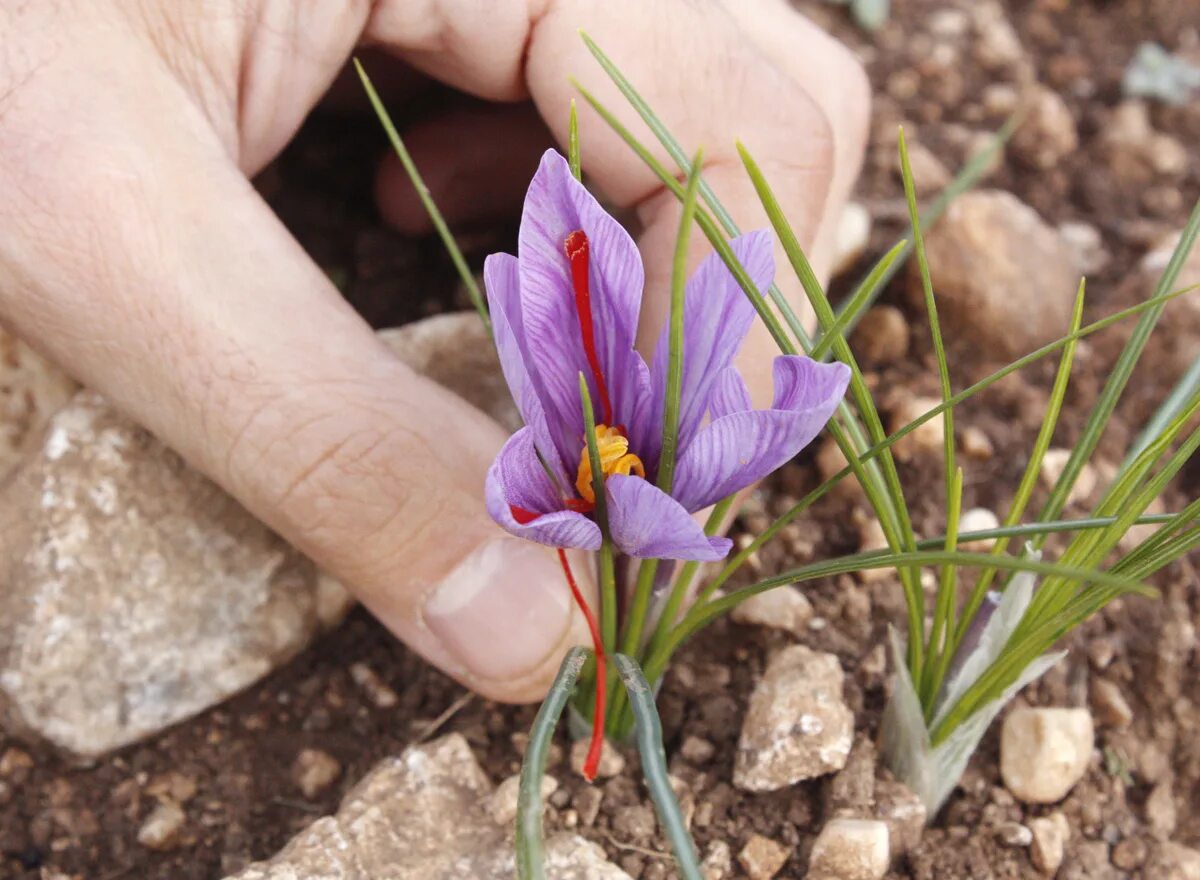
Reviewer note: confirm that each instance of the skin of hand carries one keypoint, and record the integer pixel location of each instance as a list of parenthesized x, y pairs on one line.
[(136, 254)]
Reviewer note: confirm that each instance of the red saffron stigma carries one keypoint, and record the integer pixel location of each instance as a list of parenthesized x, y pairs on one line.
[(577, 248), (591, 764), (521, 515)]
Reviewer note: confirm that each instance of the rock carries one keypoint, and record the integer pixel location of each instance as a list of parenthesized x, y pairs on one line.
[(1044, 752), (612, 762), (998, 47), (978, 519), (1173, 861), (455, 351), (1161, 815), (979, 255), (635, 823), (31, 391), (928, 438), (422, 816), (830, 462), (161, 829), (784, 608), (1049, 837), (763, 858), (1047, 134), (904, 814), (314, 771), (1110, 704), (1136, 152), (1014, 834), (850, 849), (976, 443), (376, 689), (1054, 464), (718, 861), (797, 725), (136, 592), (882, 336), (1130, 854), (697, 751), (1086, 243), (1000, 99), (853, 235), (504, 801)]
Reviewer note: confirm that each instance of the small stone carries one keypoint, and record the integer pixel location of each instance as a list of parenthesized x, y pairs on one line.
[(1047, 134), (587, 803), (1014, 834), (1044, 752), (763, 858), (1049, 838), (882, 336), (1161, 815), (697, 751), (1136, 152), (784, 608), (1173, 861), (160, 830), (1110, 704), (978, 519), (928, 438), (998, 46), (1054, 464), (718, 861), (1000, 99), (1086, 243), (850, 849), (502, 806), (1130, 853), (976, 443), (612, 762), (314, 771), (904, 814), (376, 689), (797, 725), (635, 823), (979, 254), (871, 537), (831, 462), (853, 235), (172, 785)]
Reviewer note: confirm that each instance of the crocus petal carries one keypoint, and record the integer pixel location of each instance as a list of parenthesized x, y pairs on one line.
[(739, 449), (729, 394), (517, 480), (555, 206), (646, 523), (501, 279), (716, 317)]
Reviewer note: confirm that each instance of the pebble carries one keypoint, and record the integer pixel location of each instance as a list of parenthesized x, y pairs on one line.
[(1173, 861), (1047, 134), (927, 439), (375, 688), (976, 443), (998, 47), (1109, 703), (635, 823), (696, 750), (1161, 815), (612, 762), (904, 814), (314, 771), (763, 858), (797, 725), (850, 849), (1054, 464), (1136, 152), (161, 829), (718, 861), (871, 537), (882, 336), (502, 806), (979, 256), (784, 608), (830, 462), (1000, 99), (1087, 244), (978, 519), (1014, 834), (1044, 752), (853, 235), (1048, 841), (1130, 853)]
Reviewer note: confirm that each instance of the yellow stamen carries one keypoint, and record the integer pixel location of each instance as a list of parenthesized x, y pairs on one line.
[(615, 458)]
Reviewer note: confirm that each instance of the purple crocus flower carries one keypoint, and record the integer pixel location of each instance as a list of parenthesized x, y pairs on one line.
[(569, 304)]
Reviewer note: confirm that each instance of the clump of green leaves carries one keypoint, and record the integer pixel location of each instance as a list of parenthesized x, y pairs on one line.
[(1155, 73)]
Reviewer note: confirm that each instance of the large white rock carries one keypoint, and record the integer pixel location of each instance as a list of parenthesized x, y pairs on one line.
[(797, 725), (422, 816), (1044, 752), (850, 849), (135, 592)]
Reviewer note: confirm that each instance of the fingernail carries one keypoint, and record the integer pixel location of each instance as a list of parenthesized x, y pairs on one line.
[(502, 610)]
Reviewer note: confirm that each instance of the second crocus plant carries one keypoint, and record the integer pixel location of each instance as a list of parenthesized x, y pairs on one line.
[(565, 315)]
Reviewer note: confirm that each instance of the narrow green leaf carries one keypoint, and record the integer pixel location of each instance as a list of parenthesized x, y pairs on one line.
[(608, 588), (1166, 411), (435, 216), (866, 293), (573, 143)]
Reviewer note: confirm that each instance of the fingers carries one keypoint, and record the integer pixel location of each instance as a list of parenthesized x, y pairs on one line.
[(135, 253)]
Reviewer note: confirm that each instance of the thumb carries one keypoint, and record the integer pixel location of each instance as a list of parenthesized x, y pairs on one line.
[(207, 323)]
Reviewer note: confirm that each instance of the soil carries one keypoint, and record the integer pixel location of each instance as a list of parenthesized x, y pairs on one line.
[(233, 766)]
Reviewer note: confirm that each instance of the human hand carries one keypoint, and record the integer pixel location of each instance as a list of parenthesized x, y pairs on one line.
[(136, 254)]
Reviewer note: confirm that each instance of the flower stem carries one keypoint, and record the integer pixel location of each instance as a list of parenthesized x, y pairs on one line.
[(592, 762)]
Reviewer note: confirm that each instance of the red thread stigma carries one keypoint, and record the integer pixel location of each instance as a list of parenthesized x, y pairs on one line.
[(591, 764), (577, 248), (521, 515)]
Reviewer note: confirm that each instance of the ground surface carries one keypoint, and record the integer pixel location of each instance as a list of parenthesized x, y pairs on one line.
[(238, 757)]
